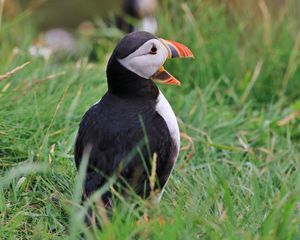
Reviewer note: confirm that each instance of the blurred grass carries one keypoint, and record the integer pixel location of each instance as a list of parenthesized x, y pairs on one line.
[(242, 181)]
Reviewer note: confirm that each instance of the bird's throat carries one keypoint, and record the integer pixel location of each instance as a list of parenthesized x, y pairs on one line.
[(123, 82)]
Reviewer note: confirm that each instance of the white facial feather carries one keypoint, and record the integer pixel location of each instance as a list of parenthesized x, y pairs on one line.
[(142, 62)]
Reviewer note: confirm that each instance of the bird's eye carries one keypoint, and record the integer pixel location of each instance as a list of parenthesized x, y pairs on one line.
[(153, 50)]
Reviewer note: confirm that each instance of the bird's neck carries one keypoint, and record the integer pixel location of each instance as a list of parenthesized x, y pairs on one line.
[(124, 83)]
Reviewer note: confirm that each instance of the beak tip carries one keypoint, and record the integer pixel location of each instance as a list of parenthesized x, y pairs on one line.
[(190, 54)]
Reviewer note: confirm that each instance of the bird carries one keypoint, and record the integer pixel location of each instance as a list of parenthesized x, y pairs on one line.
[(132, 122), (62, 36), (138, 16)]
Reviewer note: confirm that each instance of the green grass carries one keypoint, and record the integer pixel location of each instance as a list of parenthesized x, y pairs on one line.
[(240, 182)]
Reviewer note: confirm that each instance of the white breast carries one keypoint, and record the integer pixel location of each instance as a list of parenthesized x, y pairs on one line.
[(164, 109)]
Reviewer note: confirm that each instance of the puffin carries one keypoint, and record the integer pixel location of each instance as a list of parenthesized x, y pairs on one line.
[(133, 123), (140, 10)]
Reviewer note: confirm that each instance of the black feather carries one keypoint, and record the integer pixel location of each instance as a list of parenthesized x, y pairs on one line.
[(114, 128)]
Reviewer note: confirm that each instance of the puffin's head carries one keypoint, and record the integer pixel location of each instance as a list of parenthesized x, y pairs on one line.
[(143, 54)]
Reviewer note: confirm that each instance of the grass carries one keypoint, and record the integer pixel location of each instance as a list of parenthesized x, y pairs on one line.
[(239, 103)]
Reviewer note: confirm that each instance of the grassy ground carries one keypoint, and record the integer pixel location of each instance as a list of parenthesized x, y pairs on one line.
[(237, 176)]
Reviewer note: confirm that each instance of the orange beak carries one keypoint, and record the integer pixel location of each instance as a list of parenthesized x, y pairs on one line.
[(175, 50)]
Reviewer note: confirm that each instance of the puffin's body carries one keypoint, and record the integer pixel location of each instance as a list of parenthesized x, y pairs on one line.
[(132, 121)]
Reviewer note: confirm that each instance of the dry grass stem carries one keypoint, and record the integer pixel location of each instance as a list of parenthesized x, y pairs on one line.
[(49, 77), (189, 146), (292, 65), (253, 80), (153, 174), (289, 118), (13, 71), (102, 213), (266, 23)]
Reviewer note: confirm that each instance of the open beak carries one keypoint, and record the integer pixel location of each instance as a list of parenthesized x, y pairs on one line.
[(175, 50)]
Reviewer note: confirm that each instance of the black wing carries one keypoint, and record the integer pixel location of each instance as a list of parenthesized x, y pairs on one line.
[(115, 130)]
